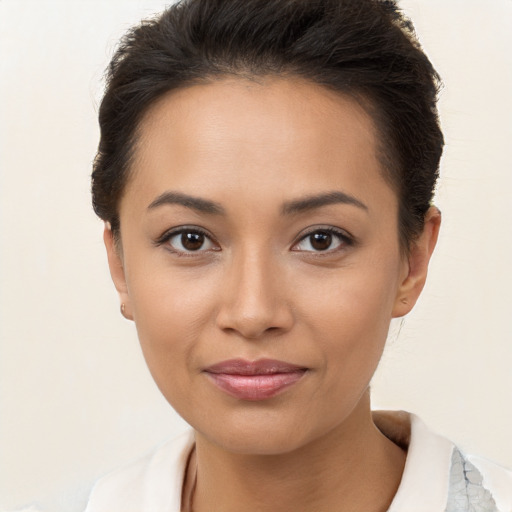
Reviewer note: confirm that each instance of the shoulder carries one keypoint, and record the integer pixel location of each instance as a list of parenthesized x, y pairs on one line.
[(438, 476), (496, 480), (152, 483)]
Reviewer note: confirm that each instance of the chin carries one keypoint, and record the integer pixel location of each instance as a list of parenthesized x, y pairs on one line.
[(258, 443), (262, 434)]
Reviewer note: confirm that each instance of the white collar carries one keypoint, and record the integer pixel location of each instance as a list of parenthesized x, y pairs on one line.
[(426, 472), (155, 483), (425, 481)]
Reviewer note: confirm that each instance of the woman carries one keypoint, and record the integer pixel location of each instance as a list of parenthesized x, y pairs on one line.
[(265, 173)]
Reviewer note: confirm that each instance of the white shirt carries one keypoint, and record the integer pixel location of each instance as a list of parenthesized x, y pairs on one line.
[(437, 476)]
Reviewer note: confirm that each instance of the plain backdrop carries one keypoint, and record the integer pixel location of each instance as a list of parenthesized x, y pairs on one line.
[(76, 399)]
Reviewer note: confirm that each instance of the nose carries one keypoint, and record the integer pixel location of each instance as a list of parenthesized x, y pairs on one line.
[(254, 299)]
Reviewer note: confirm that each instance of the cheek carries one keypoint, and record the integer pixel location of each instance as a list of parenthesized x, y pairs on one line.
[(349, 325), (348, 313), (166, 296), (351, 299), (172, 309)]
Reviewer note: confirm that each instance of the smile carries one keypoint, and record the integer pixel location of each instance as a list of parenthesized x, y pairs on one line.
[(254, 381)]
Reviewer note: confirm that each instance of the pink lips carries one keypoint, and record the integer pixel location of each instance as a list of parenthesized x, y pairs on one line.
[(257, 380)]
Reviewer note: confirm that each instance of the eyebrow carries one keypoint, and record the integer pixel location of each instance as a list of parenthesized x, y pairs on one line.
[(194, 203), (317, 201), (304, 204)]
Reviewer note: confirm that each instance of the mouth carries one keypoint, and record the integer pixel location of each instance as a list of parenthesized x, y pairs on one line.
[(254, 380)]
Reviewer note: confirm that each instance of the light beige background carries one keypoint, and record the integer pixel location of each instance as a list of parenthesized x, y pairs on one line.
[(75, 397)]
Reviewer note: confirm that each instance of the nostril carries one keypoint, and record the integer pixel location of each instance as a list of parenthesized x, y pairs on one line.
[(252, 330)]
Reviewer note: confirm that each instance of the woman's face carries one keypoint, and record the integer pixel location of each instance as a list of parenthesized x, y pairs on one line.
[(260, 259)]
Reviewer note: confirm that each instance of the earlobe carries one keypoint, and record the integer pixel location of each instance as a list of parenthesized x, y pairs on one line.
[(418, 260), (115, 263)]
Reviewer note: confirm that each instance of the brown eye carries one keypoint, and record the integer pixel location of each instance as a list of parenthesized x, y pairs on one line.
[(321, 241), (192, 241)]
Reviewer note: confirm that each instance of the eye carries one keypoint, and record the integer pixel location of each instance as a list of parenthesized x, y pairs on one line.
[(188, 240), (322, 240)]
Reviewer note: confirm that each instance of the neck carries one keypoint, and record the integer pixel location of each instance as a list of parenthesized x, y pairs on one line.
[(353, 467)]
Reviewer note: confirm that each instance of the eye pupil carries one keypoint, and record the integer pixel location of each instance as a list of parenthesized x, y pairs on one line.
[(321, 240), (192, 241)]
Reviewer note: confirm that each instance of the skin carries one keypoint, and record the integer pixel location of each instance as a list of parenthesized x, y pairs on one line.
[(258, 288)]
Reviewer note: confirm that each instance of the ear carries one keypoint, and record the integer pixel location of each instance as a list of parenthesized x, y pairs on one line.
[(115, 263), (417, 264)]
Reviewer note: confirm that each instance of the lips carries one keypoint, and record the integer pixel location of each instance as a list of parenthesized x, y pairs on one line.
[(254, 380)]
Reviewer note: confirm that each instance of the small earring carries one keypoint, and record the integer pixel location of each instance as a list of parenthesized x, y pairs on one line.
[(123, 309)]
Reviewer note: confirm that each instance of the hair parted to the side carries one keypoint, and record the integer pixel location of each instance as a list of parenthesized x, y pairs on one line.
[(363, 48)]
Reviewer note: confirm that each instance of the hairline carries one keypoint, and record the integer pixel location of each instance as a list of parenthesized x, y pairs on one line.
[(386, 156)]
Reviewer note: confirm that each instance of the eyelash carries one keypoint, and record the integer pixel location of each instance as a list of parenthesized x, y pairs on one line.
[(346, 240), (168, 235)]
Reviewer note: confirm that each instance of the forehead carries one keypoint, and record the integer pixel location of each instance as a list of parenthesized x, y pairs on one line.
[(291, 134)]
